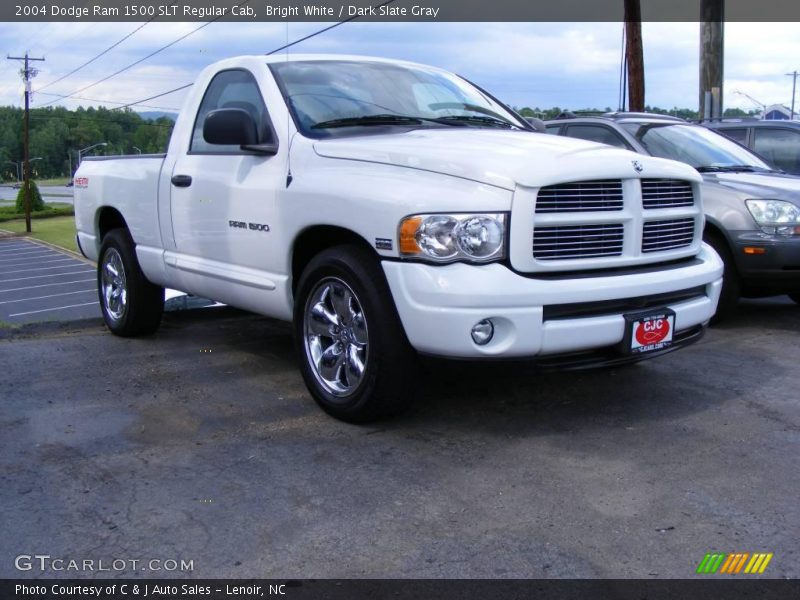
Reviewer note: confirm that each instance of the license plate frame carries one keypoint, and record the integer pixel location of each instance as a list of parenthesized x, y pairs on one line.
[(648, 324)]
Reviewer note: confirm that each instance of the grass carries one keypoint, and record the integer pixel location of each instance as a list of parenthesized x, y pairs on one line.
[(53, 181), (57, 230), (54, 209)]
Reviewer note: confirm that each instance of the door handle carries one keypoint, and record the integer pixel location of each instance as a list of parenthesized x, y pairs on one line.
[(181, 180)]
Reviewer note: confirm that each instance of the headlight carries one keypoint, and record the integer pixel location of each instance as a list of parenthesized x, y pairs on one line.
[(446, 238), (775, 216)]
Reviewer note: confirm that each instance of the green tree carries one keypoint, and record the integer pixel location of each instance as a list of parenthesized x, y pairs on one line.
[(36, 198)]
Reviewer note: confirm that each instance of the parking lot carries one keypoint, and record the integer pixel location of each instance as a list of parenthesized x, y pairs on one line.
[(201, 443), (39, 282)]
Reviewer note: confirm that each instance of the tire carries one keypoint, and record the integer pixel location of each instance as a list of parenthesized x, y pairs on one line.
[(354, 355), (731, 282), (795, 298), (130, 304)]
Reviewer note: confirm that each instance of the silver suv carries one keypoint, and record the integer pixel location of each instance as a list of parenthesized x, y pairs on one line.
[(752, 210), (777, 142)]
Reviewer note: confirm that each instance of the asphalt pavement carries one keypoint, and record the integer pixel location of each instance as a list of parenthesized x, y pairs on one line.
[(201, 443), (42, 283)]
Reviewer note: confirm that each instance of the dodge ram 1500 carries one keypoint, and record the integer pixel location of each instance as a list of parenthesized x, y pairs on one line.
[(391, 209)]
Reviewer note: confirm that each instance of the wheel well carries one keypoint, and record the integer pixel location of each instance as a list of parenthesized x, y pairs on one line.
[(107, 219), (714, 231), (314, 240)]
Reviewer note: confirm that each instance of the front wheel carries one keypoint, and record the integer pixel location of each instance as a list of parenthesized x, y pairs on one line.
[(131, 305), (354, 355)]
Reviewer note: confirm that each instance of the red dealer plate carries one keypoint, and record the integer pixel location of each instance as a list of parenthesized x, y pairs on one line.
[(649, 332)]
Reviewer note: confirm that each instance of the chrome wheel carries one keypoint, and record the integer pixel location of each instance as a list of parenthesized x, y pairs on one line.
[(114, 285), (336, 340)]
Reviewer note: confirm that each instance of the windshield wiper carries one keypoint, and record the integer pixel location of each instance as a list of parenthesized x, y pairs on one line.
[(382, 119), (729, 169), (478, 120)]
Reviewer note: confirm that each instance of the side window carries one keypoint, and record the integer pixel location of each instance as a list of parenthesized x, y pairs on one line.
[(781, 147), (737, 135), (553, 129), (597, 133), (231, 89)]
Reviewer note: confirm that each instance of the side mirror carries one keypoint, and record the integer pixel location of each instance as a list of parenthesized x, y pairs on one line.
[(537, 124), (230, 126)]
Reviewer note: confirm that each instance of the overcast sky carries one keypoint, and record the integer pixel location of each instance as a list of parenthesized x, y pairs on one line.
[(571, 65)]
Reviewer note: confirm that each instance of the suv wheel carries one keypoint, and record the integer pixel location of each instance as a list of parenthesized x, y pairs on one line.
[(731, 283)]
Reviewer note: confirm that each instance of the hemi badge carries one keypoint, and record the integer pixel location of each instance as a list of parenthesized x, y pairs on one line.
[(383, 243)]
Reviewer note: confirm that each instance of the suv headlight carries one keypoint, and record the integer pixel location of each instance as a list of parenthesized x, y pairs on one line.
[(776, 217), (452, 237)]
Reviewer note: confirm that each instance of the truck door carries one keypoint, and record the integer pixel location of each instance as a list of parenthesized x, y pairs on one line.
[(223, 202)]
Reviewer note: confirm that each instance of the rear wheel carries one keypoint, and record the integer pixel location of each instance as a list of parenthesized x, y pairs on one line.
[(131, 305), (354, 355), (731, 282)]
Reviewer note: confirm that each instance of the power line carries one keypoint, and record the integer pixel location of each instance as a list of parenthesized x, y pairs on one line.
[(316, 33), (91, 60), (138, 103), (110, 101), (284, 47), (141, 60)]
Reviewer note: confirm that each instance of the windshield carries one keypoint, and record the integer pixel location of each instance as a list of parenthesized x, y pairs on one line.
[(344, 97), (694, 145)]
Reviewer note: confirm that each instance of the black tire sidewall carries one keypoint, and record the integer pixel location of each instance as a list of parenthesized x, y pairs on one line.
[(144, 300), (731, 285)]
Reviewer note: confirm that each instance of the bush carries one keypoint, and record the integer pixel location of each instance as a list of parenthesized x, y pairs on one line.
[(36, 199)]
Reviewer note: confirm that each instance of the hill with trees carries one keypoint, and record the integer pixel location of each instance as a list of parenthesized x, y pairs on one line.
[(57, 134)]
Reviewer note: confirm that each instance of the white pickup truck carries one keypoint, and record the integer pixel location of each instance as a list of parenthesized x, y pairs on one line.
[(391, 209)]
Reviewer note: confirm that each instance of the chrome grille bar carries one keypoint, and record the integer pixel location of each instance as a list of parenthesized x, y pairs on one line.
[(666, 193), (581, 196)]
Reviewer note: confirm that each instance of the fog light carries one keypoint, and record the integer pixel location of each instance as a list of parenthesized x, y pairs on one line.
[(483, 332)]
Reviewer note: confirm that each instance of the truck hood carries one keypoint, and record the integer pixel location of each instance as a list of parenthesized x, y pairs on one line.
[(758, 185), (501, 158)]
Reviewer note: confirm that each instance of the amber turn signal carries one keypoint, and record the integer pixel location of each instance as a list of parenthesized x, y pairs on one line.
[(408, 235)]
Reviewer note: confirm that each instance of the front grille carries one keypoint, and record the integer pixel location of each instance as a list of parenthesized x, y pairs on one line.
[(580, 196), (667, 235), (666, 193), (577, 241)]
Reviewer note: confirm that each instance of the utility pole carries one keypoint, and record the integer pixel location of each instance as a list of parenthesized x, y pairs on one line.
[(794, 87), (712, 51), (634, 55), (28, 73)]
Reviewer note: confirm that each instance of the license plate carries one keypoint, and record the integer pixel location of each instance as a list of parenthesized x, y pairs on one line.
[(649, 331)]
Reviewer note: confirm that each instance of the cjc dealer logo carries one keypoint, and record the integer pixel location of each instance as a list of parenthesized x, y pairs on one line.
[(734, 563)]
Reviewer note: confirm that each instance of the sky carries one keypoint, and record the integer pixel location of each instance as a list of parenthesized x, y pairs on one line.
[(570, 65)]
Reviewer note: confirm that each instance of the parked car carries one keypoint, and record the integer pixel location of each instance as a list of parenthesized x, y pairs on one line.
[(752, 210), (777, 142), (389, 209)]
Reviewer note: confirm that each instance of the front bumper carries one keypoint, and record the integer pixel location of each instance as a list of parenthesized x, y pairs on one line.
[(439, 305), (776, 271)]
